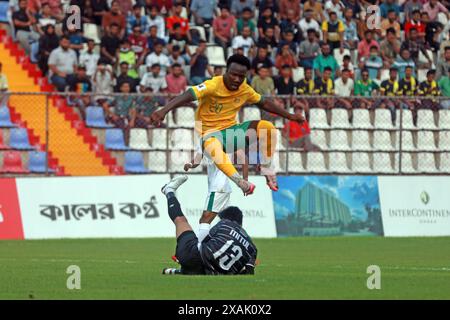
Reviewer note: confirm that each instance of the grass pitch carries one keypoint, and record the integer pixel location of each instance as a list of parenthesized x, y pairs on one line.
[(291, 268)]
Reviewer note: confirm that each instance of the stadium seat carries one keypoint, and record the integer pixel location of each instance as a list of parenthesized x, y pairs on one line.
[(361, 119), (5, 118), (178, 159), (383, 119), (12, 163), (407, 119), (159, 138), (360, 140), (182, 139), (201, 31), (425, 141), (19, 140), (339, 140), (382, 163), (338, 162), (91, 31), (318, 137), (95, 118), (295, 162), (442, 18), (139, 139), (251, 113), (444, 140), (339, 118), (360, 162), (423, 59), (134, 162), (157, 161), (444, 119), (382, 140), (37, 162), (426, 163), (315, 162), (425, 119), (421, 74), (186, 117), (280, 141), (407, 163), (298, 74), (2, 145), (445, 163), (407, 141), (4, 8), (215, 56), (340, 56), (114, 140), (276, 161), (318, 118), (384, 75)]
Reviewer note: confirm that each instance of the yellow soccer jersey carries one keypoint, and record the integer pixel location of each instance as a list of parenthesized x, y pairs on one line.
[(217, 106)]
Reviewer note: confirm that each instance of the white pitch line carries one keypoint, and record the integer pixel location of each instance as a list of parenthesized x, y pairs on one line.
[(71, 260), (445, 269)]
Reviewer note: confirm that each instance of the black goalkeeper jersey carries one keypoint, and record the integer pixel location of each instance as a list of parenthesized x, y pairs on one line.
[(228, 250)]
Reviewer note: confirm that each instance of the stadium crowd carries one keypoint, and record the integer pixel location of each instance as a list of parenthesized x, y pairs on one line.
[(156, 46)]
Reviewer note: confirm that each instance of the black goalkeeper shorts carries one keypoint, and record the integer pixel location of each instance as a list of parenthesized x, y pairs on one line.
[(188, 255)]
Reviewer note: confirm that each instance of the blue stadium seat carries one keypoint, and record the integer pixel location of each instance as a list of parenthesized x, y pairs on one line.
[(134, 162), (4, 8), (37, 162), (95, 117), (114, 140), (19, 139), (5, 118)]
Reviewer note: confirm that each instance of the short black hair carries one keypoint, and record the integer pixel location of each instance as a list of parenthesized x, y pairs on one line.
[(364, 70), (328, 69), (345, 70), (347, 57), (239, 59), (176, 65), (393, 69), (391, 30), (247, 9), (232, 214), (431, 72)]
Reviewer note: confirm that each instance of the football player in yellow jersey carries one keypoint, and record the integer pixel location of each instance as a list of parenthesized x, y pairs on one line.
[(219, 101)]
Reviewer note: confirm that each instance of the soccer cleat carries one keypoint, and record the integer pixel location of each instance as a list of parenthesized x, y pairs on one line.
[(174, 184), (175, 259), (272, 183), (246, 187), (171, 271), (250, 190)]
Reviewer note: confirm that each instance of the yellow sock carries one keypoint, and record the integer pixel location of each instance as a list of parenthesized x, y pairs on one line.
[(267, 137), (214, 149)]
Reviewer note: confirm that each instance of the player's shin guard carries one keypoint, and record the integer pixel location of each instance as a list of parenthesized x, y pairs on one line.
[(174, 206)]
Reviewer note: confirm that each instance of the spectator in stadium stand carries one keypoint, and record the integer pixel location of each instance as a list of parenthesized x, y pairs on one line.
[(237, 7), (365, 87), (157, 56), (335, 6), (267, 20), (76, 38), (263, 82), (125, 54), (269, 40), (135, 18), (123, 115), (3, 87), (80, 85), (415, 23), (34, 6), (155, 19), (115, 16), (347, 64), (390, 22), (218, 71), (325, 60), (23, 21), (138, 44), (154, 79), (444, 85), (350, 30), (200, 65), (273, 4), (387, 6), (324, 87), (86, 10), (288, 38), (125, 6), (429, 88), (176, 80), (62, 63), (124, 77), (390, 48), (410, 7), (403, 61), (286, 5), (176, 18), (433, 8), (145, 106), (224, 27), (309, 49), (344, 86), (374, 63), (285, 85), (154, 39), (432, 31), (246, 20), (110, 44), (164, 6), (99, 8), (308, 23), (175, 57), (443, 45), (414, 45), (290, 24), (180, 40), (298, 135), (389, 88), (89, 58), (333, 32), (203, 12), (365, 44), (44, 18), (305, 87), (443, 64), (244, 41), (353, 5), (316, 9), (261, 58), (47, 43), (103, 81), (286, 56), (407, 86)]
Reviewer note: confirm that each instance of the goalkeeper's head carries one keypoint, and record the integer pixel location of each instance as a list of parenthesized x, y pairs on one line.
[(233, 214)]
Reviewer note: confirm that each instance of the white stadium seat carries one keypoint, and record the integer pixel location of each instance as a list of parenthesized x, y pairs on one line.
[(425, 119), (338, 162), (444, 140), (280, 141), (425, 141), (295, 162), (201, 31), (445, 163), (185, 117), (383, 119), (339, 118), (91, 31), (252, 113), (407, 119), (382, 140), (407, 163), (298, 74), (315, 162), (421, 75), (382, 163), (444, 119), (384, 75), (361, 119), (340, 56), (215, 56), (182, 139), (426, 162), (407, 141), (139, 139), (360, 162), (159, 138), (318, 137), (339, 140), (360, 140), (318, 118), (157, 161)]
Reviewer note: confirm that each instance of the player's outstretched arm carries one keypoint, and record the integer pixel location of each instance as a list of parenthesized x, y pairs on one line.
[(270, 105), (182, 100)]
